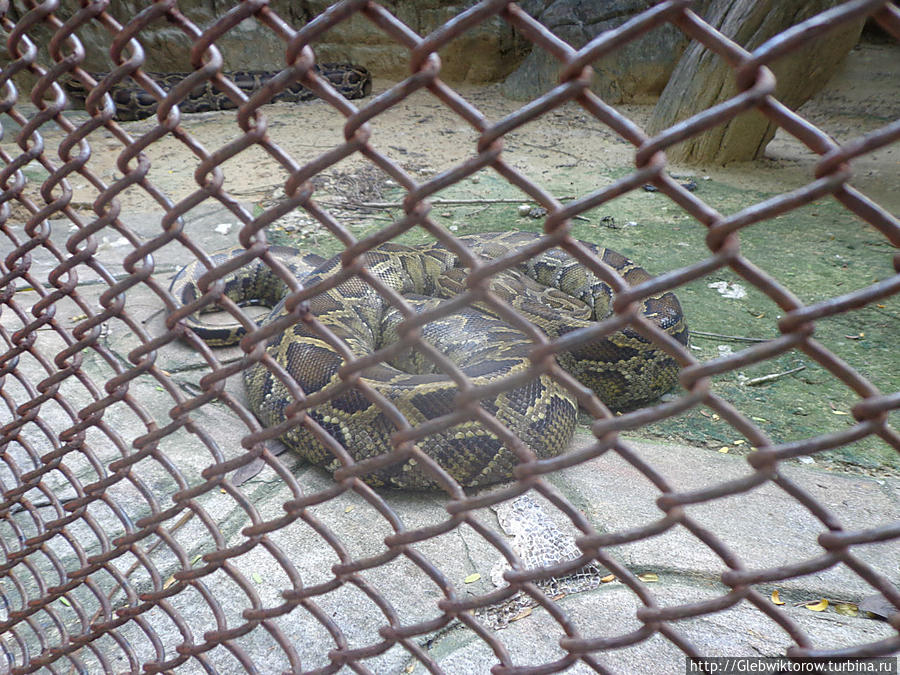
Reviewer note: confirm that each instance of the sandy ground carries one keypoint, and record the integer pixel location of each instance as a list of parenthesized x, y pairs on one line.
[(424, 137)]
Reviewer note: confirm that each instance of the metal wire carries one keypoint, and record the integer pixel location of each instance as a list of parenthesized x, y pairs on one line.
[(71, 480)]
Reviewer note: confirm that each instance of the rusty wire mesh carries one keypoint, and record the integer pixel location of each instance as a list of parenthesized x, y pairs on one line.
[(98, 567)]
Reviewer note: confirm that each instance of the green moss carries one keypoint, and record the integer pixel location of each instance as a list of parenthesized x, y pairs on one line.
[(818, 251)]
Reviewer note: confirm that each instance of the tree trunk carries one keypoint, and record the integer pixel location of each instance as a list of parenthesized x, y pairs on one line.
[(702, 79)]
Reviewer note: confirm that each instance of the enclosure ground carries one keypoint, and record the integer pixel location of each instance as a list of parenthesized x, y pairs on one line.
[(818, 251)]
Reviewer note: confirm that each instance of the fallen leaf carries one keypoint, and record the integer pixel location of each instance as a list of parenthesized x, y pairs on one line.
[(170, 581), (776, 599), (724, 449), (649, 577), (248, 471), (739, 441), (759, 419), (472, 578), (521, 615), (878, 606), (608, 578), (845, 608), (715, 416), (349, 508), (819, 606), (65, 602), (197, 558), (839, 412)]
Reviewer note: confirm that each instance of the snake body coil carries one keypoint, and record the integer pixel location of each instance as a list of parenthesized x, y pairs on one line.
[(552, 290), (134, 103)]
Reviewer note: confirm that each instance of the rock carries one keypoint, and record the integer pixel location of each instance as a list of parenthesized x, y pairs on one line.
[(636, 72), (702, 80), (482, 54)]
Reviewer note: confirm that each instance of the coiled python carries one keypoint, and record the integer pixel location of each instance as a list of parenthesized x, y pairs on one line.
[(552, 290), (134, 103)]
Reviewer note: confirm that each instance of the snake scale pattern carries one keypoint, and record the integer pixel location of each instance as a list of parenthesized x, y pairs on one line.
[(134, 103), (553, 291)]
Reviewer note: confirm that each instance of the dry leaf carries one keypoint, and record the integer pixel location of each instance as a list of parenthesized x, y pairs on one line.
[(776, 599), (248, 471), (608, 578), (739, 441), (521, 615), (649, 577), (349, 509), (724, 449), (877, 606), (820, 606), (169, 582), (472, 578)]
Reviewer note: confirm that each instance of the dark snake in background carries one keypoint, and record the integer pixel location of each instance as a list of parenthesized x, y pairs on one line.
[(134, 103)]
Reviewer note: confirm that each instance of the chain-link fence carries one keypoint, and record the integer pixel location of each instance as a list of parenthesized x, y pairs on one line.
[(149, 521)]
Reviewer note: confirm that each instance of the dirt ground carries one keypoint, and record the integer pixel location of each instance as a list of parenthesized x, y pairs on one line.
[(822, 249), (425, 137)]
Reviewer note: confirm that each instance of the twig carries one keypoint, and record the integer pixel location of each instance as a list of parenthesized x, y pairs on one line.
[(117, 587), (200, 366), (553, 149), (256, 190), (719, 336), (18, 507), (774, 376), (433, 202)]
